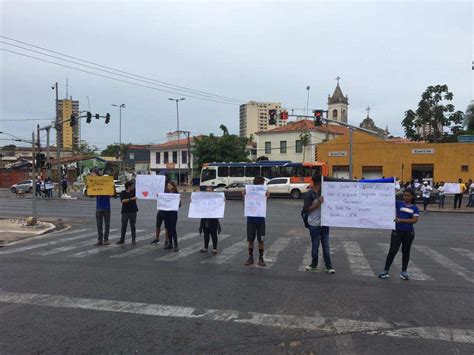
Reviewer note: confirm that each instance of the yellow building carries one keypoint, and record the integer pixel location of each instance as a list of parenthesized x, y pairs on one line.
[(68, 136), (373, 157)]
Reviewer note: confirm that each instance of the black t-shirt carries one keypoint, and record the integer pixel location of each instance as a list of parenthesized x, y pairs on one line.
[(130, 206)]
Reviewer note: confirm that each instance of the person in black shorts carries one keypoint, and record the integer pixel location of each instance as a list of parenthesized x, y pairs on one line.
[(256, 229), (160, 218)]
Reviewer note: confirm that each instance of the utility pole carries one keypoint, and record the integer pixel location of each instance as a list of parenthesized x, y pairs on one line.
[(33, 198), (177, 124), (48, 165), (58, 141), (120, 139), (350, 153)]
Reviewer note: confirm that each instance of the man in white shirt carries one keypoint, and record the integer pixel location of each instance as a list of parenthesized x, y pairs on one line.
[(426, 193)]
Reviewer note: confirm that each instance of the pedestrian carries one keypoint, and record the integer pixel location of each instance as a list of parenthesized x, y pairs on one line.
[(211, 227), (441, 195), (160, 218), (426, 193), (256, 230), (38, 187), (458, 197), (171, 219), (404, 233), (470, 191), (102, 217), (48, 187), (64, 184), (318, 233), (129, 211)]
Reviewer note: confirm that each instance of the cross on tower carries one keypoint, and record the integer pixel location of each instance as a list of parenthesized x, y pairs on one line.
[(337, 79), (368, 110)]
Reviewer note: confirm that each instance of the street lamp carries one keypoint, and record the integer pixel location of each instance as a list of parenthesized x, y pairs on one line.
[(177, 124), (121, 106)]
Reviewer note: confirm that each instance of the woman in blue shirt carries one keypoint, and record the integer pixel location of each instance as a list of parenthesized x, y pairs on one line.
[(404, 233)]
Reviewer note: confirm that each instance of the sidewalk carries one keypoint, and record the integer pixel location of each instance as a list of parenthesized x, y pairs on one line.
[(13, 229), (447, 209)]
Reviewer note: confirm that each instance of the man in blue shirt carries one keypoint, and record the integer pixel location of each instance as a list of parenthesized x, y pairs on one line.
[(102, 215)]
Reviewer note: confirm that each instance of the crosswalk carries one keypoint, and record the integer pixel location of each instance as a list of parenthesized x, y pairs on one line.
[(349, 257)]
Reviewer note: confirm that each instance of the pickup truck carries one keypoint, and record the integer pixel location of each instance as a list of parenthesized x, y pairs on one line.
[(283, 186)]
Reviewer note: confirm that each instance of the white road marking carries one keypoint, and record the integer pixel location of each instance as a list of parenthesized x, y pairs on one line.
[(98, 250), (188, 250), (46, 244), (345, 345), (271, 254), (281, 321), (447, 263), (70, 247), (146, 248), (307, 259), (357, 261), (464, 252), (415, 272), (227, 253)]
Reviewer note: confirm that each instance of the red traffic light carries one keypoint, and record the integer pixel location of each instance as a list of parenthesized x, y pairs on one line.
[(283, 115), (318, 113)]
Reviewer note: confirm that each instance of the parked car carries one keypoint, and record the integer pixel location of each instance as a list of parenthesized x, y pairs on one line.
[(25, 185), (233, 190), (119, 187), (284, 187)]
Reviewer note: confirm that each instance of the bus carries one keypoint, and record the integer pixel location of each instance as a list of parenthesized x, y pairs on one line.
[(223, 174)]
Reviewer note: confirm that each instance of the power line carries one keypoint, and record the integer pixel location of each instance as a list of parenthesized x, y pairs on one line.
[(128, 74), (25, 119), (116, 79)]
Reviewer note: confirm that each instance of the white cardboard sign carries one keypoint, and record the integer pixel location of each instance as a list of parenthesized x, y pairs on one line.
[(168, 202), (452, 188), (358, 205), (207, 205), (255, 201), (149, 186)]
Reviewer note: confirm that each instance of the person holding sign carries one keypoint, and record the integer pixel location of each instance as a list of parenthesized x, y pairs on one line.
[(171, 218), (256, 228), (211, 227), (312, 206), (441, 195), (404, 233), (129, 211)]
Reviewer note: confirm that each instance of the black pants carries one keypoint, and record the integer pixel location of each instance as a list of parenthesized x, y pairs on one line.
[(64, 190), (208, 234), (405, 239), (102, 216), (171, 218), (457, 200), (132, 217)]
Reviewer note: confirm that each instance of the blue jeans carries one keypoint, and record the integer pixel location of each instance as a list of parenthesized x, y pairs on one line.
[(317, 234), (471, 201)]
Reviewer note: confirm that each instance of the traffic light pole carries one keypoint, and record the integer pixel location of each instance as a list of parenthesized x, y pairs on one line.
[(58, 141), (33, 161)]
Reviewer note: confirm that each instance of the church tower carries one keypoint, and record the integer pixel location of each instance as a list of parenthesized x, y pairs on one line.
[(338, 104)]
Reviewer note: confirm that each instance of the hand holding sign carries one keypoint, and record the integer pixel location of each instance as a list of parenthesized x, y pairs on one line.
[(255, 200), (100, 185), (149, 186), (168, 202), (207, 205)]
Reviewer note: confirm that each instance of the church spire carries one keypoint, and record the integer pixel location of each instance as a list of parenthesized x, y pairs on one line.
[(338, 96)]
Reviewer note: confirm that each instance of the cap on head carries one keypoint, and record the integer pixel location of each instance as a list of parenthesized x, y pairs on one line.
[(425, 182)]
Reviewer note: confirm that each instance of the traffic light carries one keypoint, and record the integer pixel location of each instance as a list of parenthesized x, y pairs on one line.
[(89, 117), (283, 115), (73, 120), (97, 116), (107, 118), (318, 117), (40, 160), (272, 113)]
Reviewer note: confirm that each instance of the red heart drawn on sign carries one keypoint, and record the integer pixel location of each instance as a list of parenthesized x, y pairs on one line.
[(145, 193)]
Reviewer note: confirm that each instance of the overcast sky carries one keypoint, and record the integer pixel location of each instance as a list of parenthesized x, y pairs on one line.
[(386, 53)]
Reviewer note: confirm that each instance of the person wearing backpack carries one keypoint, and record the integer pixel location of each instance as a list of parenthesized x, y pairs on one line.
[(312, 217)]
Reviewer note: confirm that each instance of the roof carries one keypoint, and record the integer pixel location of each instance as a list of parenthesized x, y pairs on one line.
[(139, 146), (337, 96), (403, 140), (171, 144), (308, 125), (75, 158)]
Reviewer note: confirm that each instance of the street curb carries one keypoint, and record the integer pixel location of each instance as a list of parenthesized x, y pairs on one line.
[(39, 235)]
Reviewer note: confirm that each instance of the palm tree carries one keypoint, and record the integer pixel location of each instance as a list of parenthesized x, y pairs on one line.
[(305, 138)]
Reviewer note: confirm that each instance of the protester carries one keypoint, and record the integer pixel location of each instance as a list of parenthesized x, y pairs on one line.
[(470, 190), (102, 216), (426, 193), (210, 227), (404, 233), (441, 195), (256, 229), (171, 219), (48, 187), (318, 233), (458, 197), (38, 186), (160, 218), (129, 211), (64, 184)]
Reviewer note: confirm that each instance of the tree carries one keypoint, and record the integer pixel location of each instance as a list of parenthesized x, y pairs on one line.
[(435, 111), (263, 157), (86, 149), (113, 150), (469, 117), (305, 138), (211, 148)]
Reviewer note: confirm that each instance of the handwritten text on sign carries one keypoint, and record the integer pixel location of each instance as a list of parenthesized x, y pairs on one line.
[(207, 205), (100, 185), (358, 205), (452, 188), (168, 202), (255, 201), (149, 186)]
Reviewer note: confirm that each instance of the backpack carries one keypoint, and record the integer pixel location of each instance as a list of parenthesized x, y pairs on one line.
[(305, 214)]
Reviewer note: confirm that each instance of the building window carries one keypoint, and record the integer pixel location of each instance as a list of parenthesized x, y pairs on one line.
[(268, 147), (334, 113), (299, 146), (175, 157), (283, 147), (465, 168), (166, 158), (184, 157), (223, 171), (131, 156), (157, 157), (237, 172)]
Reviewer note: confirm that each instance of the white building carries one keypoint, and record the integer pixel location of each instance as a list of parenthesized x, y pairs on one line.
[(285, 143), (254, 117), (338, 105)]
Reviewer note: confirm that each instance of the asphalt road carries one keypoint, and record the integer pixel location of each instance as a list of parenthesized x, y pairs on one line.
[(59, 293)]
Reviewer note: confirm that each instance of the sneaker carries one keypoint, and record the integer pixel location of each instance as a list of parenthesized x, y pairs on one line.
[(312, 267), (214, 252), (134, 241), (330, 270), (106, 242), (168, 246), (99, 243), (249, 261), (261, 262), (155, 241), (404, 275), (175, 248), (203, 250), (384, 275), (120, 242)]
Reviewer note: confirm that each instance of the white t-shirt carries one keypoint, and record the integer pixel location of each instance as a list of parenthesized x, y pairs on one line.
[(471, 188), (441, 190), (426, 190)]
